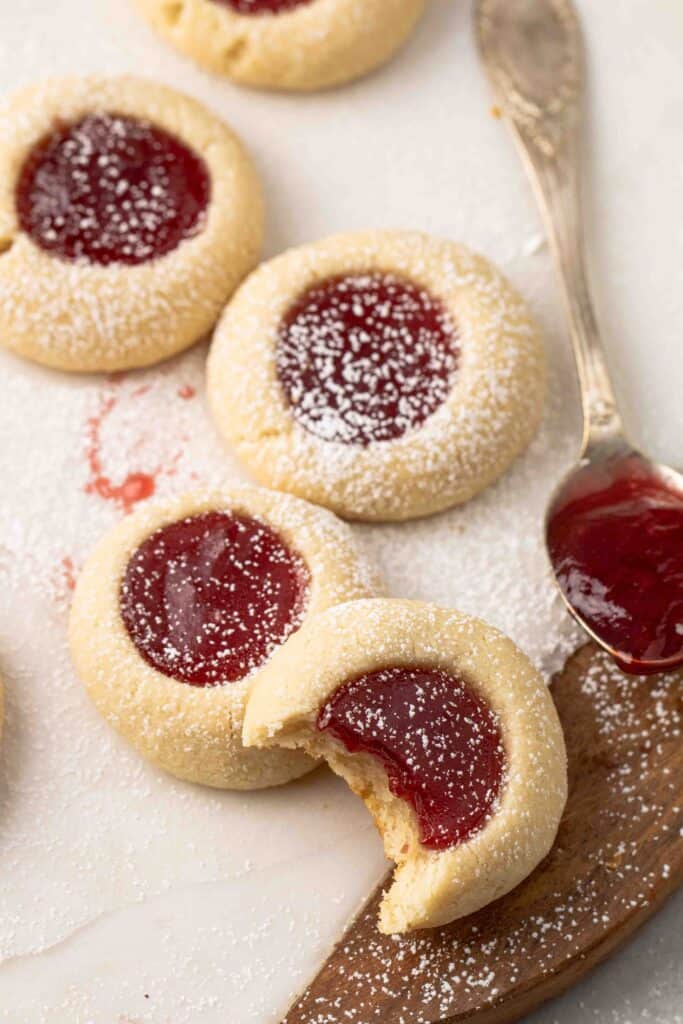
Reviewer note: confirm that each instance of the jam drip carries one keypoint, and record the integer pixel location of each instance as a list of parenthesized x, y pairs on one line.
[(111, 189), (262, 6), (616, 544), (437, 740), (207, 599), (365, 357)]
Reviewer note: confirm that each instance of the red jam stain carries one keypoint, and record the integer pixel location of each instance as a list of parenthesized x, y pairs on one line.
[(69, 573), (186, 392), (616, 543), (111, 189), (207, 599), (133, 488), (262, 6), (365, 357), (63, 580), (437, 740)]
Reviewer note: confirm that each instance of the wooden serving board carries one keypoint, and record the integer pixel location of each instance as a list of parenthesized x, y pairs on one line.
[(617, 857)]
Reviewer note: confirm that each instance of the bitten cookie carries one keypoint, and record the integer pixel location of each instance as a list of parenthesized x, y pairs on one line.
[(286, 44), (445, 730), (384, 374), (128, 215), (182, 605)]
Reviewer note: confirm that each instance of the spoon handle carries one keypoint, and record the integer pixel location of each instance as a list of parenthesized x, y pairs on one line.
[(533, 54)]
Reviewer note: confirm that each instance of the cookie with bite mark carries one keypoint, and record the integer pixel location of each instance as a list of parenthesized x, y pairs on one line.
[(446, 731)]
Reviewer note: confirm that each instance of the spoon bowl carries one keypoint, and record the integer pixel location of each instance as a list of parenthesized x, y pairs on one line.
[(621, 510)]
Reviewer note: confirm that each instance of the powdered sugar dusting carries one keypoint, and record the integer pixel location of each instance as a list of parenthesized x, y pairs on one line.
[(86, 826), (97, 280), (111, 189), (365, 357), (455, 435), (468, 558), (439, 743), (616, 874), (207, 599)]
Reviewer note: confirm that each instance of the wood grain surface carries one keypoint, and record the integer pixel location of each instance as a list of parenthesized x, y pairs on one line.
[(618, 855)]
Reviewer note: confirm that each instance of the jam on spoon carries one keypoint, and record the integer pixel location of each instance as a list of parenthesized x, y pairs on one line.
[(615, 539), (207, 599), (365, 357), (437, 739)]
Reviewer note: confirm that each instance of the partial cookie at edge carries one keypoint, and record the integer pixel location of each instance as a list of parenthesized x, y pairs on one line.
[(313, 46)]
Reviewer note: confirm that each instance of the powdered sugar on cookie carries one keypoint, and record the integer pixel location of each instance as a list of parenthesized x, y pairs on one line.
[(81, 291), (467, 414)]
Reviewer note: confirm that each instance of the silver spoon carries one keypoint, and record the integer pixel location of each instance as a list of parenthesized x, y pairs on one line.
[(533, 54)]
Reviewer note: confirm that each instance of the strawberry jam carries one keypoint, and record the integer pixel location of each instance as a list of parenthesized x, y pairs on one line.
[(111, 189), (365, 357), (437, 740), (262, 6), (207, 599), (615, 538)]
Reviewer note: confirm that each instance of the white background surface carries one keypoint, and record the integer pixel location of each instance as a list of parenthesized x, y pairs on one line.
[(118, 883)]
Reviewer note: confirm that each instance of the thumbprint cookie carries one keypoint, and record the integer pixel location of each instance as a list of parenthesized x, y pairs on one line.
[(386, 375), (445, 730), (286, 44), (182, 605), (128, 215)]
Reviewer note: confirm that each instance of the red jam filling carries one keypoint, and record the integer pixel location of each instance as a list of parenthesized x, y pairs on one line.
[(262, 6), (111, 189), (365, 357), (616, 543), (437, 740), (207, 599)]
